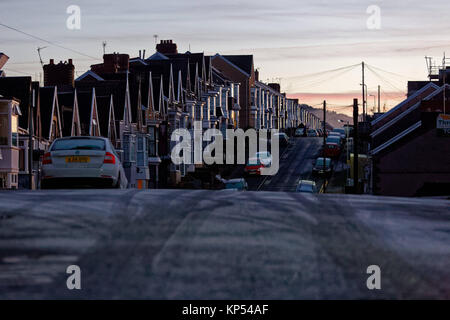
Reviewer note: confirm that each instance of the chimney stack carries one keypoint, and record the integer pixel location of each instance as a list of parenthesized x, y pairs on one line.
[(275, 86), (61, 74), (167, 47)]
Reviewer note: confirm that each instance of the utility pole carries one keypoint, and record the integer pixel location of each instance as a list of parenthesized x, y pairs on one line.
[(355, 146), (445, 80), (324, 135), (379, 96), (363, 93), (324, 125), (30, 140)]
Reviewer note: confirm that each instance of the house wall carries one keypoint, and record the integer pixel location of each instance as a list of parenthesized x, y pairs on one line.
[(424, 159), (245, 89), (9, 160)]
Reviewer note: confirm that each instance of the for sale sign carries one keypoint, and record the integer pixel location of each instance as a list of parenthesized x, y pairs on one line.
[(443, 125)]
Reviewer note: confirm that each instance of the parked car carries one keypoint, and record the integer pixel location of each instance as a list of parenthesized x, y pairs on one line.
[(312, 133), (82, 161), (323, 167), (332, 150), (334, 139), (265, 158), (306, 186), (260, 160), (253, 166), (283, 139), (340, 131), (300, 132), (236, 184)]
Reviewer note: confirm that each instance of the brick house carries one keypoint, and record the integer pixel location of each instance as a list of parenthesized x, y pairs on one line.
[(409, 157)]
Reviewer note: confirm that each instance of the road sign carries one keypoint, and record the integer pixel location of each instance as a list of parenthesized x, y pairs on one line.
[(443, 125)]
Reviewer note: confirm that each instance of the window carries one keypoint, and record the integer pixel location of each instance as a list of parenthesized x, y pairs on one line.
[(129, 147), (4, 129), (152, 150), (79, 144), (142, 155), (14, 131)]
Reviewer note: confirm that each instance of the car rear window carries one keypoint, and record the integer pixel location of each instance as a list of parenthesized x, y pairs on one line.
[(254, 162), (79, 144), (332, 139)]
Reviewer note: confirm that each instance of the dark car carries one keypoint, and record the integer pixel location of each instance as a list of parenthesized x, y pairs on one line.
[(300, 132), (332, 150), (283, 139), (323, 167)]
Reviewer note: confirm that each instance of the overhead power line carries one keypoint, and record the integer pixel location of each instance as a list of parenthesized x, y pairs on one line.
[(17, 71), (384, 79), (325, 72), (48, 42), (389, 72), (326, 77)]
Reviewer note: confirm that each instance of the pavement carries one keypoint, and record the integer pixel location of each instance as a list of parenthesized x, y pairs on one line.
[(200, 244)]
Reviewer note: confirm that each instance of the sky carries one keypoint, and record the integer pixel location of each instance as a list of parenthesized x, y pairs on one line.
[(294, 42)]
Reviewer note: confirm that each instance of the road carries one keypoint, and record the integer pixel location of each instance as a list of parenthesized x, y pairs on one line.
[(200, 244), (295, 164)]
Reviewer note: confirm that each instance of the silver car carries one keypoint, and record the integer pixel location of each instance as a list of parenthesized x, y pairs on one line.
[(82, 161), (306, 186)]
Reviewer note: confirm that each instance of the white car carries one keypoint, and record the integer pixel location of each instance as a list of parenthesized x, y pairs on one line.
[(264, 157), (81, 161)]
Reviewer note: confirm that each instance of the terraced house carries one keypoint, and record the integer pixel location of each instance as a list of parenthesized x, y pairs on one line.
[(138, 102)]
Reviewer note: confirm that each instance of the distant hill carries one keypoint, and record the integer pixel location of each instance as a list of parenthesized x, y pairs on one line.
[(332, 116)]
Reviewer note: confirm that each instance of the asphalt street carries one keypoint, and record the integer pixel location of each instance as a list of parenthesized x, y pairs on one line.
[(178, 244), (296, 163)]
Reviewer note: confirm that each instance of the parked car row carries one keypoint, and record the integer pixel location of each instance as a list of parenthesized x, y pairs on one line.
[(304, 132)]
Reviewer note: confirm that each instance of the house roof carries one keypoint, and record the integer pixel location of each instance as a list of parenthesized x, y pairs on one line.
[(103, 109), (46, 100), (396, 138), (66, 106), (89, 75), (84, 99), (243, 62), (20, 88), (157, 56), (404, 105), (405, 108), (116, 88)]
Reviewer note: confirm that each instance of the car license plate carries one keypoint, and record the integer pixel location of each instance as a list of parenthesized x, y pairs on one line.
[(79, 159)]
